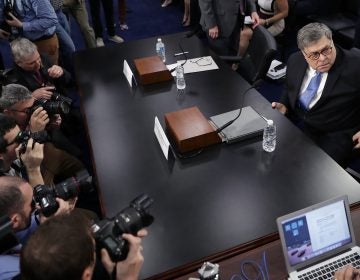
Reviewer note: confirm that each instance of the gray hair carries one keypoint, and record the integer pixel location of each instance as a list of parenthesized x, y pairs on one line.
[(311, 33), (22, 48), (12, 94)]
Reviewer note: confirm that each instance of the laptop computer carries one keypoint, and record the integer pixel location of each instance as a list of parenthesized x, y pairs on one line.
[(249, 124), (318, 240)]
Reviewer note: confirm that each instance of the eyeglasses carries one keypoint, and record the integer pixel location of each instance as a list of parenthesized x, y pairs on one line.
[(202, 61), (316, 55)]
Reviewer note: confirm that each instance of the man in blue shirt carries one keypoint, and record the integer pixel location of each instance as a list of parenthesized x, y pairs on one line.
[(16, 202), (35, 20)]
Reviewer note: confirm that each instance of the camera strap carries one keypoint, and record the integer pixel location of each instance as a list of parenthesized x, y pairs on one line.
[(113, 273), (20, 170)]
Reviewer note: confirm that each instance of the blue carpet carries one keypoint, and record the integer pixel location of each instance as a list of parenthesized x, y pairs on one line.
[(146, 18)]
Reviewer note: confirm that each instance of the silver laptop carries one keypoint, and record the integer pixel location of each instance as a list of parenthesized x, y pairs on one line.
[(249, 124), (318, 240)]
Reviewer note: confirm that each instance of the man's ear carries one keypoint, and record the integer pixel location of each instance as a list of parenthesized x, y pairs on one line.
[(88, 272), (15, 220), (6, 112)]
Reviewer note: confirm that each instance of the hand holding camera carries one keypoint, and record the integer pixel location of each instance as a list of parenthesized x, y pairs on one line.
[(43, 92), (68, 190), (13, 20), (65, 207), (108, 232), (130, 267), (39, 119), (31, 154)]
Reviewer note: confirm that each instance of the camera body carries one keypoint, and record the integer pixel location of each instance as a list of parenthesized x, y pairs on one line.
[(108, 232), (9, 8), (45, 196), (23, 137)]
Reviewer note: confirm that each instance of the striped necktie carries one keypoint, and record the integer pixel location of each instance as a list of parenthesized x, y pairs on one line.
[(308, 95)]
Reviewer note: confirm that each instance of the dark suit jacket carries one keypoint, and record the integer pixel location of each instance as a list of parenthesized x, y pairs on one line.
[(223, 13), (338, 109), (28, 80)]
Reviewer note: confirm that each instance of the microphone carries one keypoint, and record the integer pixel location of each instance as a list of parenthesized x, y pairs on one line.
[(187, 36), (255, 85), (183, 53)]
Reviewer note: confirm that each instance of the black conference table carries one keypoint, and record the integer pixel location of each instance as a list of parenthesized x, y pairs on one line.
[(211, 204)]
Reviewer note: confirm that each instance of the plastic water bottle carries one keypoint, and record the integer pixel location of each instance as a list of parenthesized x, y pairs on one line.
[(180, 79), (160, 49), (269, 137)]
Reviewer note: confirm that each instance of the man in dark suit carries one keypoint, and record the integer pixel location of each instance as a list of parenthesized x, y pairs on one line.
[(36, 72), (222, 20), (322, 91)]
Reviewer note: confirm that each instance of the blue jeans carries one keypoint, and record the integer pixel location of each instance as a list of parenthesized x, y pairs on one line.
[(66, 44)]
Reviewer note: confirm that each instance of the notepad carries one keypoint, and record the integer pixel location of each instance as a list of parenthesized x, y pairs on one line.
[(249, 124)]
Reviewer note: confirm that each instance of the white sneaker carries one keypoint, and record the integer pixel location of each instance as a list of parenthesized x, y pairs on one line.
[(99, 42), (116, 39), (166, 3), (124, 26)]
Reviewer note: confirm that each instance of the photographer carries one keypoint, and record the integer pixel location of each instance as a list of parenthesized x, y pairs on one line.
[(72, 255), (32, 19), (16, 202), (36, 72), (17, 102), (46, 81), (25, 165)]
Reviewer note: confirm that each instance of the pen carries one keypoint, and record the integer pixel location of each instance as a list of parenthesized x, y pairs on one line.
[(180, 53)]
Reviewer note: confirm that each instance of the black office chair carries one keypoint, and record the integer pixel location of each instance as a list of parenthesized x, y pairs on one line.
[(341, 19), (262, 49)]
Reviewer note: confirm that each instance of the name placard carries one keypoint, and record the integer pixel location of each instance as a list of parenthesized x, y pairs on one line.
[(161, 137), (128, 73)]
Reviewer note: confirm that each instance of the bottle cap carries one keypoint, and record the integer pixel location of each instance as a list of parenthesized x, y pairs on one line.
[(159, 39), (270, 122)]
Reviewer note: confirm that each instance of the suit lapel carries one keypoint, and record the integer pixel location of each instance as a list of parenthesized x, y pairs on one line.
[(298, 79)]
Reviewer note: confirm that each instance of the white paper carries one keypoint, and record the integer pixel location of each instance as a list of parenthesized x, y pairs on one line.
[(128, 73), (197, 64), (161, 137)]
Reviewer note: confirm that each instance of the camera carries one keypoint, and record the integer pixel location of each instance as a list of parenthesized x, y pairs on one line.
[(8, 238), (8, 8), (59, 97), (45, 196), (23, 137), (108, 232), (50, 106)]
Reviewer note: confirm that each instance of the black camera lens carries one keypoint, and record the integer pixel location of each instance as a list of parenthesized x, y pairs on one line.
[(51, 107), (56, 107), (108, 232), (70, 188)]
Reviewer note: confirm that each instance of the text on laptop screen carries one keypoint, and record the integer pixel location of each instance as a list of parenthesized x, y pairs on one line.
[(316, 232)]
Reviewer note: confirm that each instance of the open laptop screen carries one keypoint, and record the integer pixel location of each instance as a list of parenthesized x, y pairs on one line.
[(316, 232)]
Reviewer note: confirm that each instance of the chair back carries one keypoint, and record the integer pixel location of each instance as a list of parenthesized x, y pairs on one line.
[(261, 51)]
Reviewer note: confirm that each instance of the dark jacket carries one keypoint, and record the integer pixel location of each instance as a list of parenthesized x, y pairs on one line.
[(338, 109)]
